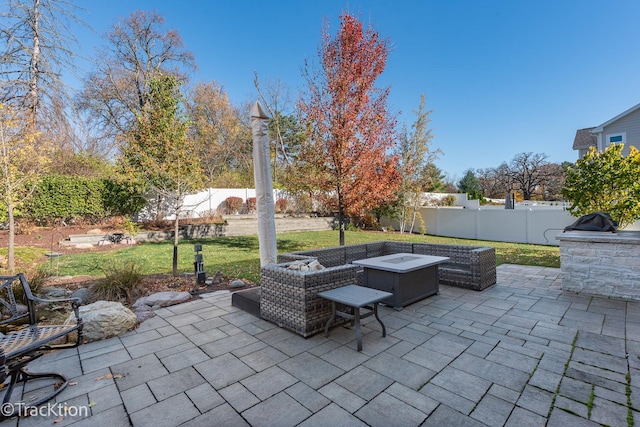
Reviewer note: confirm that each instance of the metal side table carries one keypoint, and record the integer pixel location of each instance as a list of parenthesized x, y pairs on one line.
[(356, 297)]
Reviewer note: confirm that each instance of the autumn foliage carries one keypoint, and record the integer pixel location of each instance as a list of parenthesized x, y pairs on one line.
[(351, 130)]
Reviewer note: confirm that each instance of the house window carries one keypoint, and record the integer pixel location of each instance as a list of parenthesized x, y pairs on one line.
[(616, 138)]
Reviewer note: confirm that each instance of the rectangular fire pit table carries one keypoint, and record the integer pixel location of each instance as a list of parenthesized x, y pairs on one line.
[(409, 277), (356, 297)]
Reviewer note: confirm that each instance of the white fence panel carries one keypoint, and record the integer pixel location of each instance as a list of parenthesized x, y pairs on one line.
[(454, 222), (535, 225), (501, 225)]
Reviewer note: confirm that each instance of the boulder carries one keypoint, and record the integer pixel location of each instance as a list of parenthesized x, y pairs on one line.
[(237, 284), (143, 313), (218, 278), (162, 299), (50, 292), (104, 319), (82, 294)]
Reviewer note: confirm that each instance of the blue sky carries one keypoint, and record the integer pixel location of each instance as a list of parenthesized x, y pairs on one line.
[(501, 76)]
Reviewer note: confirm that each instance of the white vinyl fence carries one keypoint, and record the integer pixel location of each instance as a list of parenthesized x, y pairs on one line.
[(536, 225)]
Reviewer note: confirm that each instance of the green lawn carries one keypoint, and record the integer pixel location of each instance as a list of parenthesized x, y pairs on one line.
[(239, 256)]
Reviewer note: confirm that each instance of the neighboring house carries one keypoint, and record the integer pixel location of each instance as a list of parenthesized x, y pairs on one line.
[(622, 129)]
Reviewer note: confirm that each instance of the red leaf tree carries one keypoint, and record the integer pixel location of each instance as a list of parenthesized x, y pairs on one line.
[(350, 129)]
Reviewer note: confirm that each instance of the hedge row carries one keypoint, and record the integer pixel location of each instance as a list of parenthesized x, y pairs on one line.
[(66, 197)]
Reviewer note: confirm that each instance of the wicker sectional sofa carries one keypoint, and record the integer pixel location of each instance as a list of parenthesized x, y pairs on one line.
[(289, 297)]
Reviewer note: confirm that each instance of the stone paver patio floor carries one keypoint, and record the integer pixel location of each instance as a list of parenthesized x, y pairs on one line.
[(521, 353)]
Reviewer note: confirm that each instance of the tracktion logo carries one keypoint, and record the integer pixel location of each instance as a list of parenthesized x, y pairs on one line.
[(50, 410)]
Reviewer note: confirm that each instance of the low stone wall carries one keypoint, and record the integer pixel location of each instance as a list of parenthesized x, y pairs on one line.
[(235, 226), (601, 263)]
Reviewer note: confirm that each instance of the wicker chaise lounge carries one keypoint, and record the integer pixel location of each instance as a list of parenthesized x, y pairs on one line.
[(289, 297)]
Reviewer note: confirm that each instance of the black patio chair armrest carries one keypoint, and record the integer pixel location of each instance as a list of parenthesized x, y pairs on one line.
[(73, 300)]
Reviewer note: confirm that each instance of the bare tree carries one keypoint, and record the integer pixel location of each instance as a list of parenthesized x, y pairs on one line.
[(528, 173), (495, 182), (283, 127), (37, 43), (554, 183), (138, 50)]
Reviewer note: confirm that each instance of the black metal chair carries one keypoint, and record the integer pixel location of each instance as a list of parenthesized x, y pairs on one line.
[(21, 347)]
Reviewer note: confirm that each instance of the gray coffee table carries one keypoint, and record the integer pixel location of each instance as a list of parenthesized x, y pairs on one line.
[(356, 297), (409, 277)]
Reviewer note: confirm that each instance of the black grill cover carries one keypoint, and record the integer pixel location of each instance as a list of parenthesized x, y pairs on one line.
[(597, 221)]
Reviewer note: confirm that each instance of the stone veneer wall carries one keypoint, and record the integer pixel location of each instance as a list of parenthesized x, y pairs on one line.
[(601, 263)]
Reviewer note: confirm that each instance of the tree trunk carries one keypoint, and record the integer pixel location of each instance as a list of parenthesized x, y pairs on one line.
[(11, 266), (34, 65), (341, 219), (176, 226)]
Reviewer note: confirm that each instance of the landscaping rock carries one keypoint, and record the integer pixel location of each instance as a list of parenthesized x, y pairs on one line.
[(162, 299), (21, 309), (237, 284), (143, 313), (82, 294), (83, 246), (95, 231), (218, 278), (53, 292), (104, 319)]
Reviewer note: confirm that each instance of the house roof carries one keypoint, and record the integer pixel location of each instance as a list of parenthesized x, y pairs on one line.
[(584, 139), (600, 128)]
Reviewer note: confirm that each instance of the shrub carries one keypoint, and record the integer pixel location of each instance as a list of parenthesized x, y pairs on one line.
[(122, 198), (234, 204), (64, 198), (38, 277), (607, 182), (36, 280), (281, 205), (449, 200), (121, 283), (251, 204)]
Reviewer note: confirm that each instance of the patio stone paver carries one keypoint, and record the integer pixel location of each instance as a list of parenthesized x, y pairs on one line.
[(268, 382), (176, 382), (223, 370), (279, 410), (400, 370), (461, 383), (170, 412), (447, 417), (332, 416), (307, 397), (364, 382), (137, 398), (521, 353), (445, 397), (342, 397), (224, 415), (385, 410), (492, 411), (311, 370), (239, 397)]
